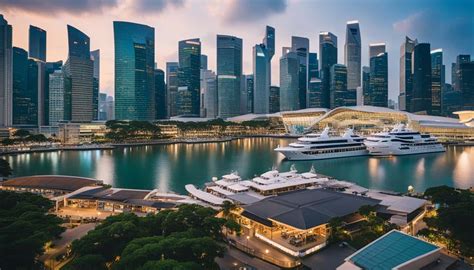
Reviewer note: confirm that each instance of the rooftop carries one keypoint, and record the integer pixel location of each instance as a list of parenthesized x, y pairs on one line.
[(52, 182)]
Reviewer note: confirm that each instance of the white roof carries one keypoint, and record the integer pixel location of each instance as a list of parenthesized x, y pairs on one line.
[(402, 204), (237, 187), (283, 184), (309, 175), (204, 196), (220, 190)]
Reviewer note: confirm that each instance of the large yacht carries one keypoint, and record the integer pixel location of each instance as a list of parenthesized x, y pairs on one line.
[(402, 141), (323, 146)]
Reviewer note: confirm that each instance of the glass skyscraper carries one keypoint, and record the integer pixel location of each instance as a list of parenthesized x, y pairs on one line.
[(161, 101), (378, 85), (327, 58), (352, 55), (300, 45), (208, 94), (172, 86), (406, 76), (262, 56), (37, 43), (249, 87), (289, 82), (437, 81), (365, 85), (22, 100), (421, 70), (56, 97), (313, 66), (338, 86), (49, 68), (465, 73), (134, 71), (229, 74), (274, 99), (314, 93), (6, 76), (79, 71), (95, 56), (189, 74)]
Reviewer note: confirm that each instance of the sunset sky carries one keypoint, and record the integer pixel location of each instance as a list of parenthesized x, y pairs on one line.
[(444, 24)]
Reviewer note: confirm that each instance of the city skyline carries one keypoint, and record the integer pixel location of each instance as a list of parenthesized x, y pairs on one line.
[(247, 20)]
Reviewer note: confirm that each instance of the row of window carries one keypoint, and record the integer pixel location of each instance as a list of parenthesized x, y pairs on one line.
[(328, 151)]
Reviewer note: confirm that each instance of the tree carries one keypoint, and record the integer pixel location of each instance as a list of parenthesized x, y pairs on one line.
[(21, 133), (367, 210), (87, 262), (227, 207), (5, 169)]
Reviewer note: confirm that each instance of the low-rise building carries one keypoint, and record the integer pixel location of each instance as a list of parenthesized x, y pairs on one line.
[(76, 133)]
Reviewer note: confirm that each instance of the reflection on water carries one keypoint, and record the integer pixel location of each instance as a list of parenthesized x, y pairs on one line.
[(170, 167)]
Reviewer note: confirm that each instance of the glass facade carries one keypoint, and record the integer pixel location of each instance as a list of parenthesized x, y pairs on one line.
[(315, 95), (300, 45), (289, 82), (365, 84), (229, 74), (6, 86), (249, 87), (37, 43), (352, 54), (49, 68), (56, 98), (338, 86), (261, 93), (208, 94), (161, 101), (406, 77), (187, 97), (21, 98), (327, 58), (378, 85), (466, 84), (437, 81), (95, 56), (421, 69), (134, 71), (172, 87), (313, 66), (274, 99)]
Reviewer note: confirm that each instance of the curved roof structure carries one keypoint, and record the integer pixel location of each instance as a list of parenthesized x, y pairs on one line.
[(466, 117), (51, 182)]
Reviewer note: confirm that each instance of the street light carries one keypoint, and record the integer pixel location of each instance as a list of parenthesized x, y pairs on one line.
[(248, 237), (267, 251)]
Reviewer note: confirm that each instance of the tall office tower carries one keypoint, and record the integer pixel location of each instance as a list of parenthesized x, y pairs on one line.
[(56, 98), (249, 87), (49, 68), (315, 94), (338, 86), (460, 59), (102, 106), (359, 96), (37, 43), (23, 99), (204, 61), (262, 56), (466, 84), (452, 100), (172, 87), (161, 100), (300, 45), (95, 57), (406, 76), (352, 55), (229, 73), (134, 71), (437, 81), (365, 84), (274, 99), (327, 58), (208, 94), (313, 66), (421, 70), (6, 73), (79, 70), (187, 95), (378, 84), (110, 108), (289, 82)]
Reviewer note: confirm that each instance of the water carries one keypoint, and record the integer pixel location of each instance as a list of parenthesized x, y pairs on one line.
[(170, 167)]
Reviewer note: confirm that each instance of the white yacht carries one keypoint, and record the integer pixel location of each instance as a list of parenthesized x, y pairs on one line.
[(402, 141), (323, 146)]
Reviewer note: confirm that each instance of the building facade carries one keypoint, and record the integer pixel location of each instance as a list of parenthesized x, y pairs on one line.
[(327, 58), (421, 70), (262, 56), (406, 77), (352, 55), (338, 86), (6, 73), (189, 71), (57, 98), (274, 99), (172, 86), (300, 45), (95, 56), (315, 94), (208, 94), (289, 79), (161, 100), (37, 43), (437, 81), (378, 83)]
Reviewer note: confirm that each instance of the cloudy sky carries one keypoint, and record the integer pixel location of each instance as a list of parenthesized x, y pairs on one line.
[(447, 24)]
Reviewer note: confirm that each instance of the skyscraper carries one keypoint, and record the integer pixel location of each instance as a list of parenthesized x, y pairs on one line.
[(300, 45), (161, 101), (352, 55), (378, 85), (208, 94), (229, 73), (49, 68), (79, 71), (95, 56), (466, 84), (406, 76), (455, 71), (421, 70), (365, 85), (187, 96), (315, 95), (23, 106), (338, 86), (134, 71), (172, 87), (102, 106), (313, 66), (289, 82), (437, 81), (274, 99), (249, 87), (56, 98), (203, 61), (327, 58), (37, 43), (262, 56), (6, 73)]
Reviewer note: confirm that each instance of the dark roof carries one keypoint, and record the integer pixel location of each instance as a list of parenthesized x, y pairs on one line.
[(155, 204), (305, 209), (53, 182), (110, 194)]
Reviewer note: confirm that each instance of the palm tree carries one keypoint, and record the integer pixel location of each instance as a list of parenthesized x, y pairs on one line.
[(227, 207)]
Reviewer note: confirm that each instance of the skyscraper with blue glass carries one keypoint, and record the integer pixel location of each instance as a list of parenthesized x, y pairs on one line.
[(327, 58), (134, 71), (262, 56), (289, 81), (5, 73), (189, 78), (229, 74), (338, 86), (437, 81), (378, 84), (37, 43), (300, 45)]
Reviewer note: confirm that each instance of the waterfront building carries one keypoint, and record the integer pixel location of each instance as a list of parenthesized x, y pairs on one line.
[(229, 74), (406, 77), (313, 66), (208, 94), (249, 88), (327, 58), (289, 79), (378, 83), (6, 73), (80, 71), (352, 55), (437, 81), (421, 70), (172, 87), (203, 61), (187, 95), (274, 99), (300, 45), (338, 86), (161, 100), (134, 71), (102, 107), (95, 57), (315, 94), (37, 43), (57, 98), (262, 56), (49, 68), (465, 73)]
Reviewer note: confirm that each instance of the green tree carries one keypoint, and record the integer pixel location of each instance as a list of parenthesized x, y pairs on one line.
[(87, 262), (21, 133), (227, 207), (5, 169)]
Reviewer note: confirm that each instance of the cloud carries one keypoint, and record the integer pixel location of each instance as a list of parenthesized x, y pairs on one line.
[(48, 7), (232, 11), (155, 6)]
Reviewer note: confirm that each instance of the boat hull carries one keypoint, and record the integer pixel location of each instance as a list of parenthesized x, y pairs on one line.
[(399, 151), (291, 154)]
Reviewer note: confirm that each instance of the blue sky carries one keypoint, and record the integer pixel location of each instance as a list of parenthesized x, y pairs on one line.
[(444, 24)]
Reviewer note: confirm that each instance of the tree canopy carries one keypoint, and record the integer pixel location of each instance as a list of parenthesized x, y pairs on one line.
[(5, 169)]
